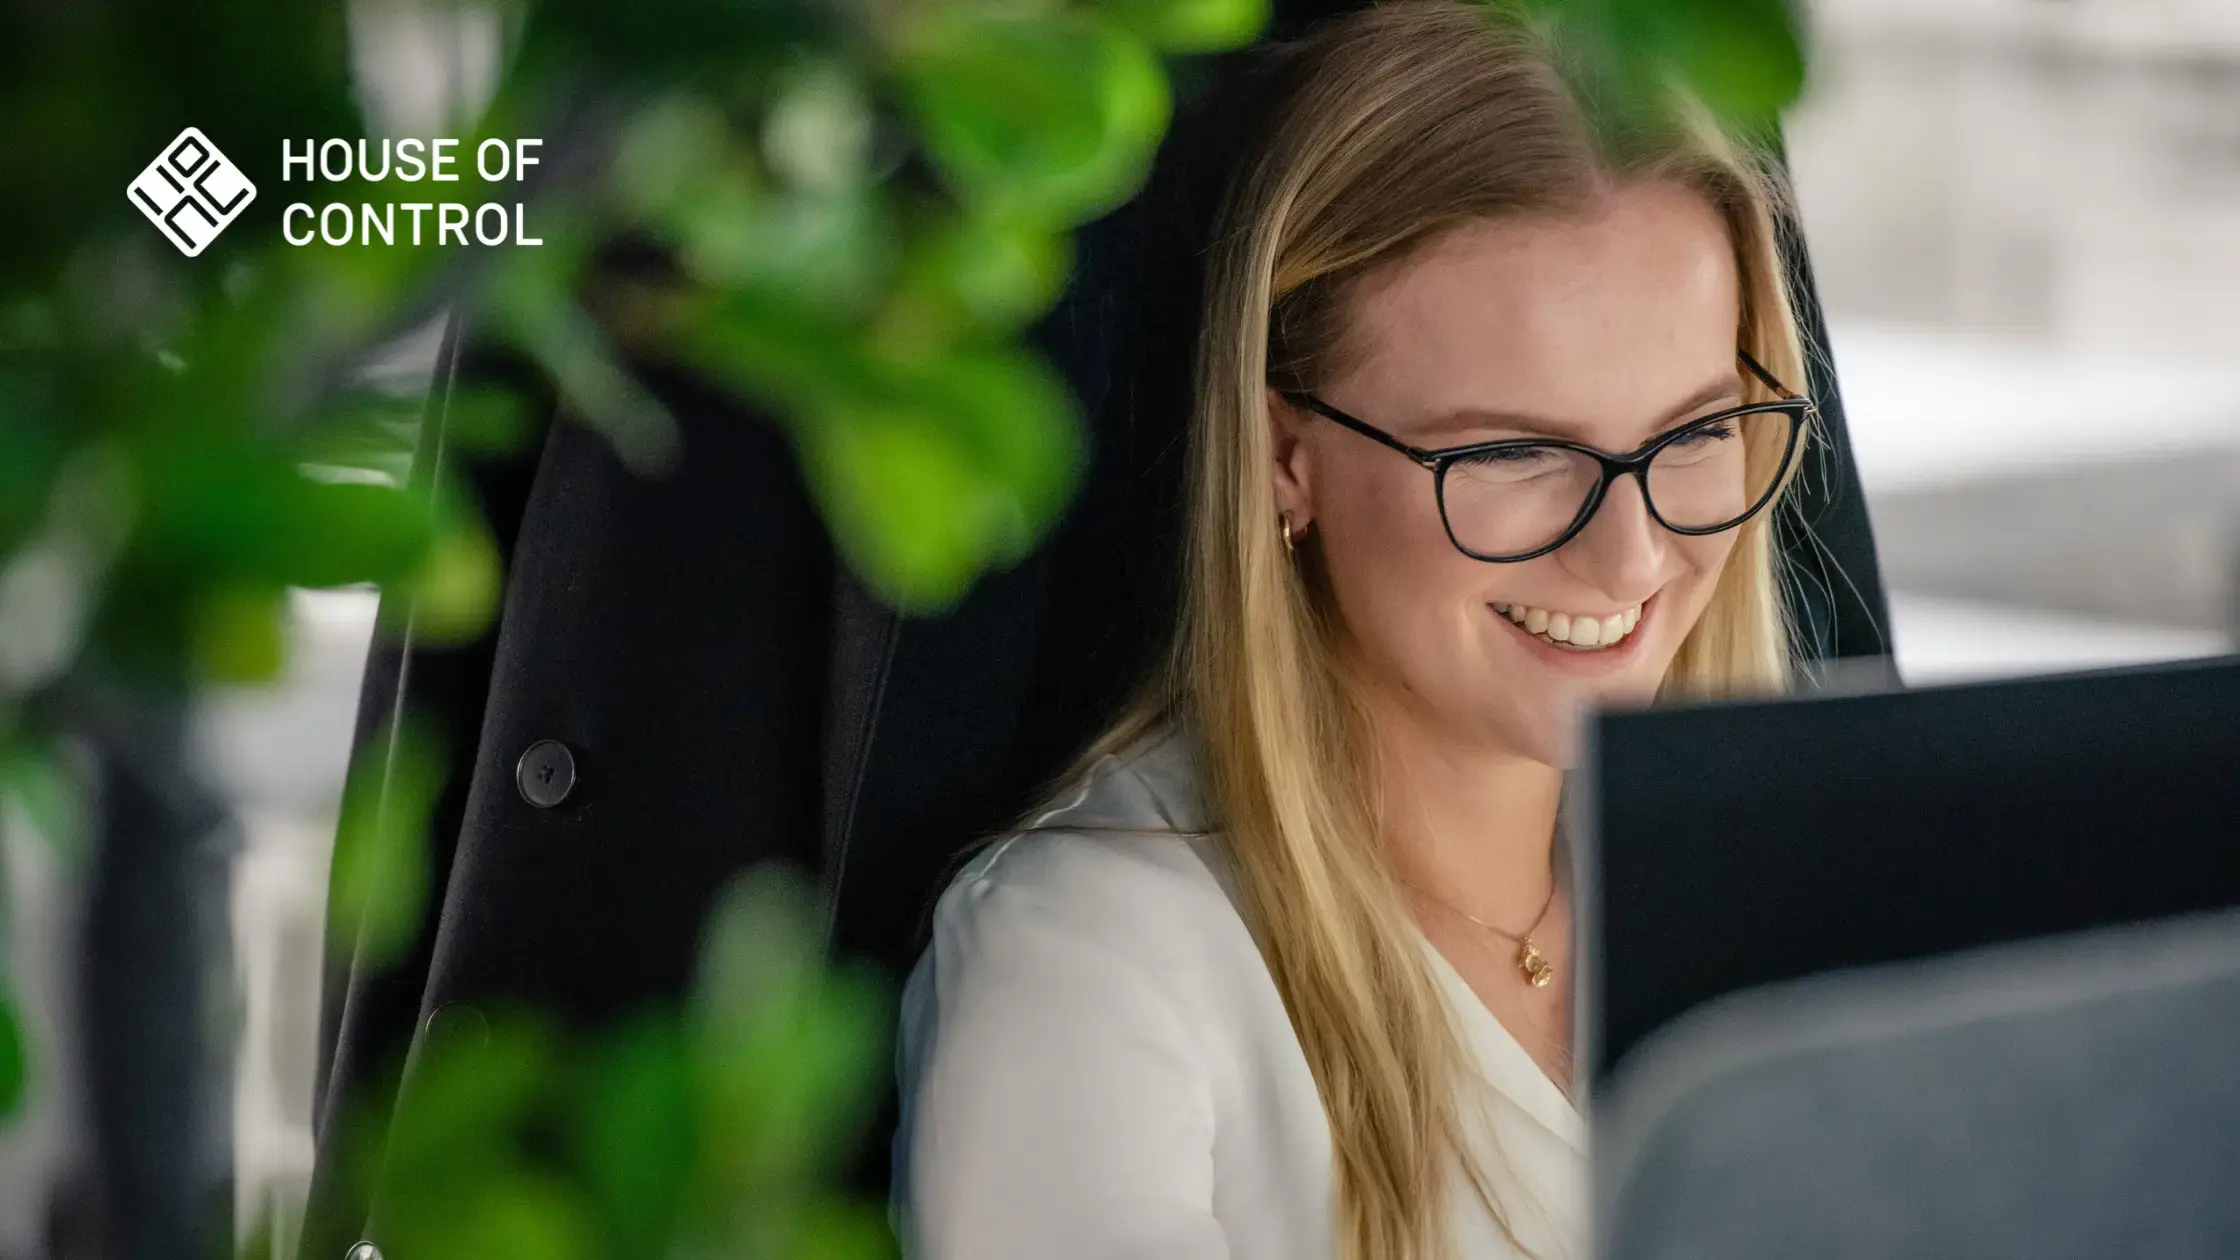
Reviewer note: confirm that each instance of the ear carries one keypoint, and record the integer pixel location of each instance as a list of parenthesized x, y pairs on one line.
[(1288, 464)]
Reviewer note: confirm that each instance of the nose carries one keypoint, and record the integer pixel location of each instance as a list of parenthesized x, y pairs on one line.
[(1622, 551)]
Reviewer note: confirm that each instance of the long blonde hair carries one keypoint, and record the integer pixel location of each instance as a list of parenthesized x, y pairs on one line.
[(1393, 124)]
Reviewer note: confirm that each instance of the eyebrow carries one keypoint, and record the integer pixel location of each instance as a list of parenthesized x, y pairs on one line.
[(1470, 419)]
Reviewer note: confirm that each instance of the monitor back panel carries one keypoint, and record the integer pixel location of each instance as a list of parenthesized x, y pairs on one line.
[(1725, 845)]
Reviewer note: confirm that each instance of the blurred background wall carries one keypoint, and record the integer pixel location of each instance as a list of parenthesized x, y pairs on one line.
[(2025, 221)]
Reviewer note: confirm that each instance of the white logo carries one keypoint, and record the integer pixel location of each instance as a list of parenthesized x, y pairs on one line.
[(192, 192)]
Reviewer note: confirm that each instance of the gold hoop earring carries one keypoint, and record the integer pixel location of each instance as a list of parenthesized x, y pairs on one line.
[(1288, 545)]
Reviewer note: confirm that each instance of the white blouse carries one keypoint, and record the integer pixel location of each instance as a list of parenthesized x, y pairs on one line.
[(1095, 1063)]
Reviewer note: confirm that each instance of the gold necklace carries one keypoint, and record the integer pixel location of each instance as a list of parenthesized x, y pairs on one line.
[(1531, 963)]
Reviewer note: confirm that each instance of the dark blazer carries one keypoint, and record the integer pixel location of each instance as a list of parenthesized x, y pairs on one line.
[(727, 694)]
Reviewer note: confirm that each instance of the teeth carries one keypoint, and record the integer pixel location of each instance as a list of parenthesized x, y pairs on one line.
[(1573, 631)]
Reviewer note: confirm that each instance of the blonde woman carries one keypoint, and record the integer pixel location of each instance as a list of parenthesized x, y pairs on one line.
[(1491, 406)]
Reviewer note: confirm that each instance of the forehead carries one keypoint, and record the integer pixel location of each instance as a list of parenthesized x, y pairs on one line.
[(1602, 321)]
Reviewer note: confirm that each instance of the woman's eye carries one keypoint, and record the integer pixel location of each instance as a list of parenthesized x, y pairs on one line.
[(1708, 435), (1514, 466), (1510, 458)]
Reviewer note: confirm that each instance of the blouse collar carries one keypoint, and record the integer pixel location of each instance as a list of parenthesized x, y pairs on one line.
[(1169, 760)]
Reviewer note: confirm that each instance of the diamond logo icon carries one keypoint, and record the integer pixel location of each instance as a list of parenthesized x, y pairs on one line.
[(191, 191)]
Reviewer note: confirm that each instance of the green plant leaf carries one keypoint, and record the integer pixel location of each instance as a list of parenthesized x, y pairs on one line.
[(530, 299), (1193, 26), (485, 420), (932, 465), (1742, 57), (13, 1060), (761, 938), (380, 880), (836, 1230), (35, 778), (783, 1048), (240, 633), (981, 273), (454, 594), (953, 469), (832, 248), (668, 151), (783, 1093), (817, 132), (520, 1217), (1040, 116), (463, 1176), (219, 507), (637, 1131)]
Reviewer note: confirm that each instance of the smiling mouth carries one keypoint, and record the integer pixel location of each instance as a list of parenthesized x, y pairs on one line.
[(1574, 632)]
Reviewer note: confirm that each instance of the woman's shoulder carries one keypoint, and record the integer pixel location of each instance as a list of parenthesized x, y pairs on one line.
[(1075, 1032), (1153, 783), (1123, 848)]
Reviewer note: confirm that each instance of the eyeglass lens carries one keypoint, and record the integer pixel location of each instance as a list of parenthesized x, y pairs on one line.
[(1518, 500)]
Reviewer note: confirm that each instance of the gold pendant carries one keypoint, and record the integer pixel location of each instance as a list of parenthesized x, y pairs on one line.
[(1534, 965)]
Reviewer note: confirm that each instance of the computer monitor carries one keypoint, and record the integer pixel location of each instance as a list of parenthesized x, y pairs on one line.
[(1721, 845)]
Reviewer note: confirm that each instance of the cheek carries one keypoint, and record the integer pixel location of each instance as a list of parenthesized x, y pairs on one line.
[(1396, 578), (1378, 515), (1702, 561)]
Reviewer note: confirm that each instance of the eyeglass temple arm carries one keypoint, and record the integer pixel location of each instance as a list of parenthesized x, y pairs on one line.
[(1758, 370), (1303, 399)]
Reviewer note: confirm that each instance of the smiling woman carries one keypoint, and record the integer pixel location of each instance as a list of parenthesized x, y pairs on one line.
[(1504, 332), (1492, 403)]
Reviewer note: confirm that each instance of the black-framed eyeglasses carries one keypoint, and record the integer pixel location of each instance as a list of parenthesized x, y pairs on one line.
[(1519, 498)]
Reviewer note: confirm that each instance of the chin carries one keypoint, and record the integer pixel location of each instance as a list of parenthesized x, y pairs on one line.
[(1542, 736), (1552, 735), (1634, 692), (1564, 757), (1558, 750)]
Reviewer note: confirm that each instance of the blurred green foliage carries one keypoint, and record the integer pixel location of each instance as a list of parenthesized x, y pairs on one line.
[(11, 1056), (715, 1132), (862, 209), (1741, 58), (379, 886)]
